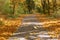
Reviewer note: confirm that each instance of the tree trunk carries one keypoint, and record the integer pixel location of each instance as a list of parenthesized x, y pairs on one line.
[(30, 5), (43, 6), (54, 5), (48, 7)]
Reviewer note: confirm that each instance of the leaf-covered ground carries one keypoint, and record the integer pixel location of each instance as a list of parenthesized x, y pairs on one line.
[(8, 26)]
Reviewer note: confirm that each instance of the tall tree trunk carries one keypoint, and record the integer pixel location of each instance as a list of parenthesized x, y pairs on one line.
[(54, 5), (48, 7), (13, 3), (30, 5), (14, 8), (43, 6)]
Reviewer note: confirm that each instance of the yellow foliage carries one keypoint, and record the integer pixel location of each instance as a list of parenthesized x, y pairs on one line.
[(12, 22), (6, 33), (53, 34), (22, 1), (2, 38)]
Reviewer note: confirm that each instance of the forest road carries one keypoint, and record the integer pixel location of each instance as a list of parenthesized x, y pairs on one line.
[(29, 26)]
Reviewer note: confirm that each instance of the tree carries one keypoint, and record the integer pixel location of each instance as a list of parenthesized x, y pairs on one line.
[(54, 6), (30, 5), (46, 6), (13, 3), (43, 2), (5, 8)]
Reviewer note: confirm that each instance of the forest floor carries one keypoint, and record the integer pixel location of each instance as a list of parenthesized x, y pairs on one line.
[(8, 26)]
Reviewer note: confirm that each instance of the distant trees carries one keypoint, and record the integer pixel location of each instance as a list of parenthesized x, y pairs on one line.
[(4, 7), (30, 5), (19, 7), (13, 4), (54, 5), (15, 7), (45, 6)]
